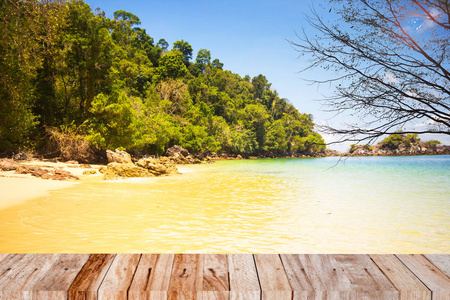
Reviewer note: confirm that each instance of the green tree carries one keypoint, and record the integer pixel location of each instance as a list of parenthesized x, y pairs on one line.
[(217, 64), (164, 45), (170, 66), (392, 141), (185, 48), (203, 59), (277, 137), (127, 17), (18, 48), (261, 85), (88, 57), (113, 123), (255, 118)]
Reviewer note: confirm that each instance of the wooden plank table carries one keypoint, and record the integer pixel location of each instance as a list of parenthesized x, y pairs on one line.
[(224, 276)]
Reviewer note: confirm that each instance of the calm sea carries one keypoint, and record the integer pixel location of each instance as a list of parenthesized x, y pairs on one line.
[(313, 205)]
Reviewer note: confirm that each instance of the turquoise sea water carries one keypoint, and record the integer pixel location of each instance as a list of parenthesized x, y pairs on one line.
[(308, 205)]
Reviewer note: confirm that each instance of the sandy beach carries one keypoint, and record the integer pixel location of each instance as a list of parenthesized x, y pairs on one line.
[(18, 188)]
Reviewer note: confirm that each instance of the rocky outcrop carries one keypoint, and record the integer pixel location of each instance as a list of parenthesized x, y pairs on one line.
[(118, 156), (89, 172), (178, 155), (8, 164), (145, 167), (176, 151), (414, 149), (155, 167), (36, 171), (116, 170), (22, 155)]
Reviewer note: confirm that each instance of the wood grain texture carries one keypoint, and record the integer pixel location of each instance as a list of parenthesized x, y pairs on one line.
[(441, 261), (119, 277), (324, 273), (272, 277), (244, 283), (429, 274), (9, 268), (186, 281), (220, 276), (215, 277), (27, 272), (65, 269), (3, 256), (298, 279), (152, 277), (363, 273), (88, 281), (408, 285)]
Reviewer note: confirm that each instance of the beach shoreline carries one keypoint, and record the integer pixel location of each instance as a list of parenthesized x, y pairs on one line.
[(19, 188)]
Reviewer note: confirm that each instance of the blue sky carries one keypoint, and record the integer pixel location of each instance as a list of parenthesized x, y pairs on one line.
[(248, 36)]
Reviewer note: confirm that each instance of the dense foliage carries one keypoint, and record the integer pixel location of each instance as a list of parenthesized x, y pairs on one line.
[(394, 141), (69, 69)]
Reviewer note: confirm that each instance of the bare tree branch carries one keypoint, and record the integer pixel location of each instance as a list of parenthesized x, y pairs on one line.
[(387, 71)]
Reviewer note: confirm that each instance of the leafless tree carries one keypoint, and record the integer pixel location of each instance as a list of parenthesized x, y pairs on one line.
[(391, 64)]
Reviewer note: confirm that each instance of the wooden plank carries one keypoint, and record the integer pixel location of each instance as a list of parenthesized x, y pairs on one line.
[(27, 272), (441, 261), (215, 277), (88, 281), (9, 267), (365, 277), (33, 295), (244, 283), (119, 277), (336, 277), (152, 277), (409, 286), (3, 256), (326, 277), (186, 281), (62, 274), (272, 277), (46, 276), (298, 279), (432, 277)]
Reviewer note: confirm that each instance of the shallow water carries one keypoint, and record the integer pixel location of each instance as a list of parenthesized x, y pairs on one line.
[(361, 205)]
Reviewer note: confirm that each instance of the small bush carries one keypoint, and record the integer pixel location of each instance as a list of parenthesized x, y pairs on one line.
[(353, 147), (72, 145), (432, 144), (392, 141), (411, 138)]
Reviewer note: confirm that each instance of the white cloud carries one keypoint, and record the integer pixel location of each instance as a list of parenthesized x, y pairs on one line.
[(427, 22), (390, 77)]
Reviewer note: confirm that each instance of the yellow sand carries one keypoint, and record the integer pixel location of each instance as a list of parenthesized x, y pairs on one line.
[(18, 188)]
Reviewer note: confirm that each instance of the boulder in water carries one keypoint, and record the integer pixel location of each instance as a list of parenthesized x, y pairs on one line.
[(156, 168)]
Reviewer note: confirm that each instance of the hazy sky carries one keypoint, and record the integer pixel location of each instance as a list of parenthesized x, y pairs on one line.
[(248, 36)]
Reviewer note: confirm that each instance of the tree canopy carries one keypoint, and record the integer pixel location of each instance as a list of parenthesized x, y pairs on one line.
[(70, 70), (391, 64)]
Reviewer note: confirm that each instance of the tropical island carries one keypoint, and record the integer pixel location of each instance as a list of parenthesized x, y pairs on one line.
[(76, 83)]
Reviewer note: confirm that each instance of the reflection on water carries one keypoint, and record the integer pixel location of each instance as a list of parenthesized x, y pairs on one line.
[(375, 205)]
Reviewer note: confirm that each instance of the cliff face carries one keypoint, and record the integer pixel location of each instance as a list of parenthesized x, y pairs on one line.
[(419, 148)]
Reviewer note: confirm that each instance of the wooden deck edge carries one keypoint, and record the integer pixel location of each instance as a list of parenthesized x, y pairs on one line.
[(224, 276)]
